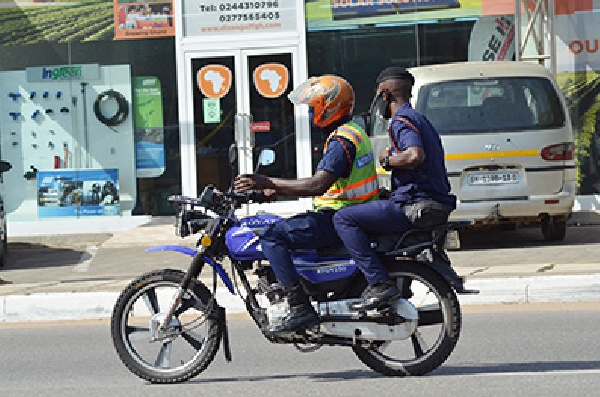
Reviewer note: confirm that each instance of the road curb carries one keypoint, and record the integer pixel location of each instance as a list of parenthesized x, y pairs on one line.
[(92, 305)]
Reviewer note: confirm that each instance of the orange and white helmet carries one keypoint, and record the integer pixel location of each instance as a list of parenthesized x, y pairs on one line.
[(330, 96)]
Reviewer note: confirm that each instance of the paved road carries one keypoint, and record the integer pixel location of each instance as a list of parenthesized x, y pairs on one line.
[(529, 351), (44, 272)]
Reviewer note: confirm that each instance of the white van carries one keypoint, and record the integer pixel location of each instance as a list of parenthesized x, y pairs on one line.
[(508, 142)]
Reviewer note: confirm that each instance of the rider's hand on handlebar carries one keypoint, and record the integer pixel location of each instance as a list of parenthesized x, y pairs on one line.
[(247, 182)]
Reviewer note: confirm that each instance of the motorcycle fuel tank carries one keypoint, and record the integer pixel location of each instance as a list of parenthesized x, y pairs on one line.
[(242, 238)]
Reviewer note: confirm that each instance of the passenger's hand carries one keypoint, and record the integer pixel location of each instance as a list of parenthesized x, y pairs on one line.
[(270, 194), (247, 182), (384, 193), (386, 152)]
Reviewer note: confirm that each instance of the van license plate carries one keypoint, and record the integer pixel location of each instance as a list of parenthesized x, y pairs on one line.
[(493, 178)]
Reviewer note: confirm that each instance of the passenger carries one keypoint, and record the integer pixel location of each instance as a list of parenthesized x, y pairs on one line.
[(345, 175), (420, 194)]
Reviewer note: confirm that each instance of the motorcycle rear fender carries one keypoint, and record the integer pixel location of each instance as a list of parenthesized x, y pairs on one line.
[(445, 270), (192, 252)]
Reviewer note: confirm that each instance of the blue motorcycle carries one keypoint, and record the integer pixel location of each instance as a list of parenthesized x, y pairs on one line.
[(167, 325)]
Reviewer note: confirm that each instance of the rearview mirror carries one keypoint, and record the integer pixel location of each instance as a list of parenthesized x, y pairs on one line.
[(266, 157)]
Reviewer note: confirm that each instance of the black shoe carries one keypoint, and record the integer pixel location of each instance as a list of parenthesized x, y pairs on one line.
[(302, 314), (377, 296), (299, 318)]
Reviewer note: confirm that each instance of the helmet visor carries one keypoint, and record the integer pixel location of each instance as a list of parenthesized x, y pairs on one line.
[(306, 91)]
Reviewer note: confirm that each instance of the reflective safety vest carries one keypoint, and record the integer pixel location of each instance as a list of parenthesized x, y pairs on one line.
[(361, 185)]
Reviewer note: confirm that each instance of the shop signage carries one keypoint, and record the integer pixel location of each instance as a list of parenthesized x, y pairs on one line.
[(271, 79), (42, 74), (260, 126), (203, 18), (214, 81), (578, 49), (493, 39), (342, 9), (142, 20)]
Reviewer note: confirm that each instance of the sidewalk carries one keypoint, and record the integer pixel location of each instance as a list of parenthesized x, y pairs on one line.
[(80, 276)]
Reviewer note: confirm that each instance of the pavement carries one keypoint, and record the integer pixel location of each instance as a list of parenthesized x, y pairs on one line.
[(79, 276)]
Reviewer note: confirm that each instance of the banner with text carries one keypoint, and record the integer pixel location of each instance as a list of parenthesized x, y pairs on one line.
[(221, 18), (142, 20)]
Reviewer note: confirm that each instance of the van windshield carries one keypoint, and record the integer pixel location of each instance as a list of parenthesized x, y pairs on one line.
[(488, 105)]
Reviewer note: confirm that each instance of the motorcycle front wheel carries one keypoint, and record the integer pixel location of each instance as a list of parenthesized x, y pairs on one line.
[(177, 352), (437, 330)]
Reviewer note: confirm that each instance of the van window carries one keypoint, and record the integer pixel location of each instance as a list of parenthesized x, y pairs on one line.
[(488, 105)]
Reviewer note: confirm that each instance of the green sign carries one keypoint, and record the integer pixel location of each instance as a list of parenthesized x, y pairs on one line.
[(212, 110), (149, 127)]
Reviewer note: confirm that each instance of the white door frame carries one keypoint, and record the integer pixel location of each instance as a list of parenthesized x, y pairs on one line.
[(187, 132)]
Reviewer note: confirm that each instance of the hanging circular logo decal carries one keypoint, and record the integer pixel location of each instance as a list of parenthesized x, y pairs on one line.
[(271, 79), (214, 81)]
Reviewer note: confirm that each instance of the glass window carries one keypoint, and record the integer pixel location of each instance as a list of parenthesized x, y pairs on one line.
[(504, 104), (97, 130)]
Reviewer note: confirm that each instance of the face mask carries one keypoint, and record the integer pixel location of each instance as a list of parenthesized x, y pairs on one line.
[(382, 106), (311, 117)]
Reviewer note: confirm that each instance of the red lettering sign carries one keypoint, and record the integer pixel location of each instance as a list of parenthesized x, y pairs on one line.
[(260, 126)]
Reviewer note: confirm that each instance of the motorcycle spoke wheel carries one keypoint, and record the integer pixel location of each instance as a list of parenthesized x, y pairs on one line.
[(180, 351), (436, 332)]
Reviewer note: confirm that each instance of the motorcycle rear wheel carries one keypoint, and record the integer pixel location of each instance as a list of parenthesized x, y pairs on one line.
[(437, 331), (190, 341)]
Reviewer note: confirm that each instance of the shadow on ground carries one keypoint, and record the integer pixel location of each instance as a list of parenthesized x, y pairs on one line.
[(490, 238)]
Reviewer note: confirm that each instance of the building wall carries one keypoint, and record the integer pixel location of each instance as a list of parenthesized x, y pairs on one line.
[(352, 38)]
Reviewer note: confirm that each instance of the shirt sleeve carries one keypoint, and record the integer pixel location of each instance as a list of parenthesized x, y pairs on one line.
[(405, 136), (338, 158)]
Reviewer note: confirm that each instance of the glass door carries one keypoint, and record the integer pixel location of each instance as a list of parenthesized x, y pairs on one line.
[(271, 114), (215, 105), (241, 96)]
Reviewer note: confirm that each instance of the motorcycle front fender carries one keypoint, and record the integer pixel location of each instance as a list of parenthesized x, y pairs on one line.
[(192, 252)]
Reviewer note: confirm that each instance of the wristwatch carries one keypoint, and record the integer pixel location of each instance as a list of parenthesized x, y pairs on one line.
[(386, 163)]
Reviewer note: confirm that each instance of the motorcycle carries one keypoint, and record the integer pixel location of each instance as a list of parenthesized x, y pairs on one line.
[(167, 325)]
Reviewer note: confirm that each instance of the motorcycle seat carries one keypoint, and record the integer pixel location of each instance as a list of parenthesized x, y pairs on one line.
[(410, 243)]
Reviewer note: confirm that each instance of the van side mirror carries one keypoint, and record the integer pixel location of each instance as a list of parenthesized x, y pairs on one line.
[(4, 166)]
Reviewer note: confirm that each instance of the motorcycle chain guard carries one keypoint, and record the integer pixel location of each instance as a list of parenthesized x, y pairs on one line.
[(341, 322)]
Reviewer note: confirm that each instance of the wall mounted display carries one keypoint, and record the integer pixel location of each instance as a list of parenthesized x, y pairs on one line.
[(65, 117)]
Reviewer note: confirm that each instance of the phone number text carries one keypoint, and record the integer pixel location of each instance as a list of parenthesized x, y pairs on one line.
[(249, 17), (239, 6)]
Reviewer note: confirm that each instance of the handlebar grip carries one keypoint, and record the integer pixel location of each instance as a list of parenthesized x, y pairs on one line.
[(258, 197)]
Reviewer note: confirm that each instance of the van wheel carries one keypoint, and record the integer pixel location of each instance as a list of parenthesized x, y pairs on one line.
[(554, 231)]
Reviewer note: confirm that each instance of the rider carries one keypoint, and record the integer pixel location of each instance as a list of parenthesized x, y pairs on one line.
[(345, 175), (420, 189)]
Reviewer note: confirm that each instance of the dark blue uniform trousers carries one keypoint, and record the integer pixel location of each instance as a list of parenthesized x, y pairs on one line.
[(353, 225), (303, 231)]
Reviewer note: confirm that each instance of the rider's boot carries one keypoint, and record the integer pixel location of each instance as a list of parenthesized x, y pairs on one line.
[(377, 296), (301, 314)]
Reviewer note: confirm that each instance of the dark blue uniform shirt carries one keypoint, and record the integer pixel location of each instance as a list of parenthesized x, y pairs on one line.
[(429, 180), (338, 157)]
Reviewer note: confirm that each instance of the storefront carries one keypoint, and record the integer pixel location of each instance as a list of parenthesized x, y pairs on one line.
[(107, 107)]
